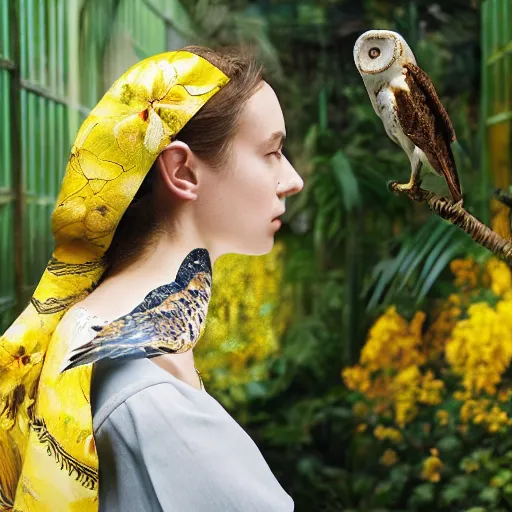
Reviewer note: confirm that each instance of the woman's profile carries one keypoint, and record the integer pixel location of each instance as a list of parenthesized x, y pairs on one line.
[(179, 163)]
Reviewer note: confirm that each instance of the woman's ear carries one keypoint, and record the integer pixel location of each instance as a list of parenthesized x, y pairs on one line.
[(177, 168)]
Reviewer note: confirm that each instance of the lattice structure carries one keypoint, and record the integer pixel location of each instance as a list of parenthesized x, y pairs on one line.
[(57, 58), (497, 104)]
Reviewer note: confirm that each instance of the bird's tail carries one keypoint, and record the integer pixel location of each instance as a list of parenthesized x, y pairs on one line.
[(451, 176), (93, 352), (85, 354)]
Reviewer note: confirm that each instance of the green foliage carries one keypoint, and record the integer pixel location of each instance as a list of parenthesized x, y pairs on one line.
[(354, 249), (421, 259), (475, 469), (217, 24)]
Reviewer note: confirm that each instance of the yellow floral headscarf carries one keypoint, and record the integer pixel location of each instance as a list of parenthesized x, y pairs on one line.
[(48, 460)]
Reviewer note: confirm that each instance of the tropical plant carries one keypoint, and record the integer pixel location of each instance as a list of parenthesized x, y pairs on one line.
[(218, 23), (354, 250)]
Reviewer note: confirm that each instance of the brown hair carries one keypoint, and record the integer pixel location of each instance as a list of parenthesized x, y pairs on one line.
[(208, 134)]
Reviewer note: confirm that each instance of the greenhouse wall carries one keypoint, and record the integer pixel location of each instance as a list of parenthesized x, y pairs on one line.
[(496, 104), (57, 58)]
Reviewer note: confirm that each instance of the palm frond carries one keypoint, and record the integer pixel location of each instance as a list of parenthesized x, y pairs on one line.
[(419, 262)]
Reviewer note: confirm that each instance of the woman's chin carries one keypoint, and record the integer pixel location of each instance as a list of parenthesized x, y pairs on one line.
[(256, 245)]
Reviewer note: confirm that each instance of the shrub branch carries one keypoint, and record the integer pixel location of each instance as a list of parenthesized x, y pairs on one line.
[(456, 214)]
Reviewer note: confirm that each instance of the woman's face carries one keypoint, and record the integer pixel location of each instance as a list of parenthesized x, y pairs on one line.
[(236, 206)]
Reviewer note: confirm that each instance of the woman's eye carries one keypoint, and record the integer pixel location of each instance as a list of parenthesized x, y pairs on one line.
[(277, 154)]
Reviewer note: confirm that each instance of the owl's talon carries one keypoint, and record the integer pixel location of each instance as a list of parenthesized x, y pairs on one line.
[(393, 185)]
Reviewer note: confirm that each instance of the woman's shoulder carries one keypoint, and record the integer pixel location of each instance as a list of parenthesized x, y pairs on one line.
[(157, 435), (115, 382)]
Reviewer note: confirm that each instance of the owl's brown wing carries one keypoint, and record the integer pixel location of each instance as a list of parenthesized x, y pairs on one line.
[(423, 80), (427, 124)]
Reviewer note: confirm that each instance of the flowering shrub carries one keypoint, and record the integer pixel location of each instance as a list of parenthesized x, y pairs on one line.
[(431, 398), (248, 312)]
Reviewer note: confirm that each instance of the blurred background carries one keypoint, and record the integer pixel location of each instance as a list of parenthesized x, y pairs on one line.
[(368, 355)]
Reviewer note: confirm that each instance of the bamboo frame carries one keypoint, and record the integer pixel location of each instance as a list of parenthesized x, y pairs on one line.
[(52, 62)]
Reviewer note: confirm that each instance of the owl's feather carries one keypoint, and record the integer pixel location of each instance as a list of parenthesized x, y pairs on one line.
[(425, 121), (423, 80)]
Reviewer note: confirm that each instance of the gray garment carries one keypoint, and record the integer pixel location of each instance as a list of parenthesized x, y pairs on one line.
[(164, 445)]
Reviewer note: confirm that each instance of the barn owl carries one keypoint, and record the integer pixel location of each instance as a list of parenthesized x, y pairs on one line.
[(404, 97)]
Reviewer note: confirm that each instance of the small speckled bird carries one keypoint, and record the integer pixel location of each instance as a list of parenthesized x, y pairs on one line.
[(168, 320), (403, 96)]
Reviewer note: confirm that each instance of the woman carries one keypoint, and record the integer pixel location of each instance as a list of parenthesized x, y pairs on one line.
[(179, 163)]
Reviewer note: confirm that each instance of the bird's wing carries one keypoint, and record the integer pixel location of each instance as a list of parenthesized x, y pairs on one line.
[(158, 331), (423, 80), (168, 320), (425, 121)]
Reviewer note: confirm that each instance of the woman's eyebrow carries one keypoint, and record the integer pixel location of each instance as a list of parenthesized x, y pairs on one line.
[(279, 135)]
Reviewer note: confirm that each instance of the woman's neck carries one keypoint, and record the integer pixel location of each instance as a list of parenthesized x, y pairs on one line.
[(121, 292)]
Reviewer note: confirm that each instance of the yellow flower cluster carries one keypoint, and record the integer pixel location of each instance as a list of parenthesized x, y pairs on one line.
[(248, 312), (405, 389), (443, 417), (484, 412), (360, 409), (480, 348), (393, 342), (472, 336), (445, 316), (383, 433), (362, 427), (504, 395), (410, 388), (389, 369), (500, 277), (357, 377), (389, 457), (467, 273), (432, 467), (430, 389)]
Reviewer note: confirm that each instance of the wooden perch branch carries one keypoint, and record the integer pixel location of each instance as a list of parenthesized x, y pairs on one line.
[(456, 214)]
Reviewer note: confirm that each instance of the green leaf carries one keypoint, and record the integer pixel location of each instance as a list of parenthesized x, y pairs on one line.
[(490, 495), (434, 255), (427, 238), (507, 493), (310, 140), (362, 484), (452, 493), (449, 444), (374, 182), (435, 244), (256, 389), (441, 262), (347, 182), (386, 277), (423, 494)]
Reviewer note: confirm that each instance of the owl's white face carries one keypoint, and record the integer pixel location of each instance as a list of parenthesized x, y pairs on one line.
[(376, 51)]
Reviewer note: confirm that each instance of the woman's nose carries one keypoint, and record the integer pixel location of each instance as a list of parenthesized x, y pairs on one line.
[(291, 182)]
